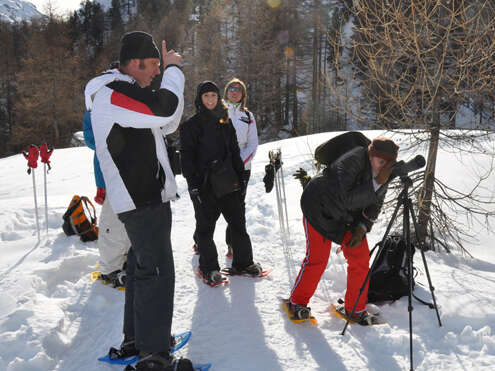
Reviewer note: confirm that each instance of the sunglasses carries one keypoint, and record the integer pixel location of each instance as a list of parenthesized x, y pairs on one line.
[(235, 88)]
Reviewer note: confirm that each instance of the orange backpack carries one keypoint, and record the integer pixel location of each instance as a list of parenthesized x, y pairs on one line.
[(77, 222)]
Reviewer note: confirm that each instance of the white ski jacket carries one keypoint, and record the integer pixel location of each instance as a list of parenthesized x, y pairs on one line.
[(247, 134), (129, 125)]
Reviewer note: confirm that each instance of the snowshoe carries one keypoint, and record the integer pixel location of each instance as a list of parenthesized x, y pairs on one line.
[(300, 314), (127, 354), (363, 318), (253, 270), (118, 283), (213, 278), (161, 361), (115, 278)]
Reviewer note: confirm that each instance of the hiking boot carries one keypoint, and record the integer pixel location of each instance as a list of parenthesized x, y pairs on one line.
[(253, 269), (116, 278), (214, 277), (127, 349), (173, 343), (162, 361), (153, 361), (230, 252), (363, 318), (299, 311)]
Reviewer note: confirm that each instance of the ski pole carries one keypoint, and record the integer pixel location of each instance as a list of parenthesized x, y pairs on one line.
[(45, 154), (36, 207), (32, 156), (46, 198)]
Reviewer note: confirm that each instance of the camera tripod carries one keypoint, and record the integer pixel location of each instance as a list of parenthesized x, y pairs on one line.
[(407, 215)]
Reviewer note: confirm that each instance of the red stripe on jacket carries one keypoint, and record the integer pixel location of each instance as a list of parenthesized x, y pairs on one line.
[(126, 102), (248, 158)]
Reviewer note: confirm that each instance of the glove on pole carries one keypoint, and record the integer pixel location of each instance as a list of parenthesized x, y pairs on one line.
[(45, 154), (32, 156)]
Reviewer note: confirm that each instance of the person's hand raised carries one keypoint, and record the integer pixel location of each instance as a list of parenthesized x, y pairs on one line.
[(170, 56)]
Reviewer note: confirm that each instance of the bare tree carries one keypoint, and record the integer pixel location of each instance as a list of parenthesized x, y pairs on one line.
[(418, 64)]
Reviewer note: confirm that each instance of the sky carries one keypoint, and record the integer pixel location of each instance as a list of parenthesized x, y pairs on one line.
[(52, 317), (61, 6)]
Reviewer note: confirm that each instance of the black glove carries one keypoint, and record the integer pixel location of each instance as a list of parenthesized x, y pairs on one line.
[(303, 176), (269, 178), (357, 236), (195, 194)]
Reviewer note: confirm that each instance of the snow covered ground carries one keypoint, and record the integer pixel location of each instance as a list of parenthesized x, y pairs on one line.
[(53, 318)]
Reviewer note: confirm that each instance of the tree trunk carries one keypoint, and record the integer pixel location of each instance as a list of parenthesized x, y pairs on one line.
[(426, 192), (295, 119)]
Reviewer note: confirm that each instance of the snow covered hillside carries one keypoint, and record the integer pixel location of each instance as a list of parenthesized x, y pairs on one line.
[(17, 10), (53, 318)]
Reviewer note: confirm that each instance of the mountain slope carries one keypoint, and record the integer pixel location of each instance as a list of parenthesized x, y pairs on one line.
[(17, 10)]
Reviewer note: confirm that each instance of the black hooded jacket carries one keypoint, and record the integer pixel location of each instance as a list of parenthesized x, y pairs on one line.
[(203, 140), (333, 201)]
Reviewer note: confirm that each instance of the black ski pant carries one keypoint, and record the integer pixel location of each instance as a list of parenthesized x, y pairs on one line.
[(150, 281), (246, 176), (207, 210)]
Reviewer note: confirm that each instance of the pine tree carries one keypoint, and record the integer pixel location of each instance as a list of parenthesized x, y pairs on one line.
[(115, 15), (49, 89)]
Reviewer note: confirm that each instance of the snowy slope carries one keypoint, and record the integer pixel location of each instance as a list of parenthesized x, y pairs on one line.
[(17, 10), (53, 318)]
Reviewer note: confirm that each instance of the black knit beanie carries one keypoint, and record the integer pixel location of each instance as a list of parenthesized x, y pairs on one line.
[(138, 44), (204, 87), (384, 148), (207, 86)]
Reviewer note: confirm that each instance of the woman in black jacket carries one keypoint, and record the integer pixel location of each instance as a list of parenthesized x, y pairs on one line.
[(209, 142), (340, 205)]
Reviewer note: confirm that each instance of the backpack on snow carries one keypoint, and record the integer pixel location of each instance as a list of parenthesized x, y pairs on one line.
[(389, 277), (329, 151), (76, 220)]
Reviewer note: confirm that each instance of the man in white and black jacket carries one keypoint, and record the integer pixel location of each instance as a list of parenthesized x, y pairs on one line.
[(129, 125)]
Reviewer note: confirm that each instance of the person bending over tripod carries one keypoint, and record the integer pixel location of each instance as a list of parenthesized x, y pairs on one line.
[(340, 205)]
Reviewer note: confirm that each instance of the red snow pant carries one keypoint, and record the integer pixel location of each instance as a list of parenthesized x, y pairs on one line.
[(316, 260)]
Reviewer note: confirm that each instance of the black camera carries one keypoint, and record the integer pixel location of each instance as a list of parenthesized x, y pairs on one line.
[(402, 168)]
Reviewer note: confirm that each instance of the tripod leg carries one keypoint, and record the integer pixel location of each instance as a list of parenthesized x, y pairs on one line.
[(406, 233), (432, 289)]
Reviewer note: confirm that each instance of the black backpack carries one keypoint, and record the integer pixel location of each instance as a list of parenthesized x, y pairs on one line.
[(329, 151), (389, 277)]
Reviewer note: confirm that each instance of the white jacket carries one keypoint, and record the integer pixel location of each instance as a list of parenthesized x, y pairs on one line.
[(135, 163), (247, 134)]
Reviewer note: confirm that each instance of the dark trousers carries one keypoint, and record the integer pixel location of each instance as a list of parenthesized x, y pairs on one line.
[(150, 281), (207, 212), (228, 237)]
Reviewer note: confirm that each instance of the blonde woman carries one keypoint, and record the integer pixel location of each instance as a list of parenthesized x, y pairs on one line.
[(235, 96)]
